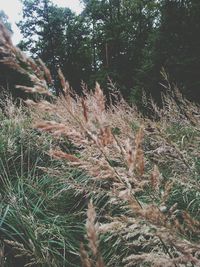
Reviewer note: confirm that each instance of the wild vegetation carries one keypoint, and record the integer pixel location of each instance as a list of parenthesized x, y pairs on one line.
[(88, 184)]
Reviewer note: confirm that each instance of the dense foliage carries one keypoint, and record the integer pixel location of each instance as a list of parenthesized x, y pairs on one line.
[(126, 41), (4, 19)]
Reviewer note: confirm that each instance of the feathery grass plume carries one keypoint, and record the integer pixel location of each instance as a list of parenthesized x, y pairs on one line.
[(61, 155), (156, 216), (135, 157), (167, 190), (46, 71), (64, 84), (138, 154), (92, 229), (155, 178), (142, 174), (52, 126), (19, 248), (100, 99), (106, 136), (34, 90), (86, 262), (85, 110), (36, 227), (15, 59), (105, 155), (5, 35), (68, 91), (192, 224)]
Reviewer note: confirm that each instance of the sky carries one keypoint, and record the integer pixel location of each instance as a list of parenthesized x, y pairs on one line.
[(13, 9)]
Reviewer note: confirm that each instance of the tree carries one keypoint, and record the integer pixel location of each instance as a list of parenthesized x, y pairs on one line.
[(174, 46), (178, 45), (4, 19), (120, 30), (129, 41), (11, 67), (41, 28), (58, 37)]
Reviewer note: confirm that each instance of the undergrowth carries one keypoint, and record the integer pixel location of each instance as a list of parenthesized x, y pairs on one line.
[(85, 184)]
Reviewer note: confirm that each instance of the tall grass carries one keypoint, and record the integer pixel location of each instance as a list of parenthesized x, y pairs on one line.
[(83, 183), (38, 226)]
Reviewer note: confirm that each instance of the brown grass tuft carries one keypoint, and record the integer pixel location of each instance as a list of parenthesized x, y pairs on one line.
[(145, 172)]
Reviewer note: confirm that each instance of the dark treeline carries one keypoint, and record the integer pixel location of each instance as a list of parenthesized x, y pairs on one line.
[(129, 41)]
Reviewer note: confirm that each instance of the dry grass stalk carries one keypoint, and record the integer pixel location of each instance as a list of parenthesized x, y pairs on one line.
[(105, 136), (100, 99), (86, 262), (85, 110), (66, 89), (138, 154), (117, 167), (92, 229), (19, 249), (34, 90), (167, 190), (100, 146), (135, 157), (62, 80), (155, 178), (15, 59), (5, 35), (192, 225), (45, 70), (58, 154)]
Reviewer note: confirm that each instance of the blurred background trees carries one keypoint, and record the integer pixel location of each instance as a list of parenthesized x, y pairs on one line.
[(4, 19), (128, 41)]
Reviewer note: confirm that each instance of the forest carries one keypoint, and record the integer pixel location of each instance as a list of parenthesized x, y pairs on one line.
[(100, 135), (128, 42)]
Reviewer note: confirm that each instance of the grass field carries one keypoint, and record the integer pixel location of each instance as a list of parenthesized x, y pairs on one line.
[(87, 184)]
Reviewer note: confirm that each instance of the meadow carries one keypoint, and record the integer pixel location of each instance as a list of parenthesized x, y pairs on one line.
[(92, 184)]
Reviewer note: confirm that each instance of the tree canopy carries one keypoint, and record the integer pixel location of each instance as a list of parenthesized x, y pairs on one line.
[(4, 19), (128, 41)]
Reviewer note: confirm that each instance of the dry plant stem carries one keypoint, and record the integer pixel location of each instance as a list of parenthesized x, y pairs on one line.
[(178, 151), (155, 182), (86, 262), (16, 60), (115, 164), (167, 250), (92, 228), (94, 140)]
